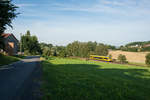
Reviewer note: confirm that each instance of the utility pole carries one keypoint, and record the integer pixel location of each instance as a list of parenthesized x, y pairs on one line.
[(20, 44)]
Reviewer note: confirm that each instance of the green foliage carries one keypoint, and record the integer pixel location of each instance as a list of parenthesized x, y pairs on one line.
[(135, 43), (111, 47), (61, 51), (4, 60), (74, 79), (28, 33), (84, 49), (30, 44), (147, 61), (46, 51), (136, 46), (26, 52), (101, 49), (123, 48), (55, 53), (131, 49), (1, 42), (146, 49), (7, 14), (122, 59), (78, 49)]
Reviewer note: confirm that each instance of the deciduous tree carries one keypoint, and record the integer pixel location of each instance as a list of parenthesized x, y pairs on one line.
[(7, 14)]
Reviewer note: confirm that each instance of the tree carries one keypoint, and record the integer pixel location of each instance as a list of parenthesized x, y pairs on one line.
[(28, 33), (111, 47), (147, 61), (63, 53), (122, 59), (54, 53), (84, 49), (101, 50), (30, 44), (69, 50), (46, 51), (7, 14)]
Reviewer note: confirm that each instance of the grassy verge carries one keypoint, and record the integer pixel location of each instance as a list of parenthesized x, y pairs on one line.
[(74, 79), (138, 64), (4, 60), (20, 56)]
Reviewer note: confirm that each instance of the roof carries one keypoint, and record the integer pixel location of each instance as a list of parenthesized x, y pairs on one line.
[(147, 45), (98, 56), (6, 35)]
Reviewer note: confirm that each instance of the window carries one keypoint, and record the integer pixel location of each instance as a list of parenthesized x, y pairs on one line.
[(98, 57)]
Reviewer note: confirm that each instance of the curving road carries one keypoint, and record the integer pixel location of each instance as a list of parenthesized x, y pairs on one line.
[(16, 80)]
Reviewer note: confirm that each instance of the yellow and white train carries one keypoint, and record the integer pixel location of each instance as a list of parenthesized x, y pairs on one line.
[(100, 58)]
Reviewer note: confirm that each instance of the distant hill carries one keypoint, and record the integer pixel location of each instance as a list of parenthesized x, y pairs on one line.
[(138, 43), (136, 46)]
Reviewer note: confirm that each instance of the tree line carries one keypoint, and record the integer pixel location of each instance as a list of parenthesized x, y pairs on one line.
[(76, 48), (136, 47), (29, 44)]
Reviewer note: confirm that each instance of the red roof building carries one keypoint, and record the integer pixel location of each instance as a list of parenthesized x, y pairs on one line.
[(11, 44)]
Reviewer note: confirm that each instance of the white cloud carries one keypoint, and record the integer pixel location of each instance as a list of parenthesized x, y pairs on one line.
[(65, 28), (25, 5), (126, 7), (64, 33)]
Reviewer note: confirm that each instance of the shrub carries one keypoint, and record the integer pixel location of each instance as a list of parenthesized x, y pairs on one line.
[(26, 52), (46, 52), (62, 53), (122, 59), (147, 61), (55, 53), (110, 56)]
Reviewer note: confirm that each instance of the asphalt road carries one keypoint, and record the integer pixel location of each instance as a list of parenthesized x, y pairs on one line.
[(16, 80)]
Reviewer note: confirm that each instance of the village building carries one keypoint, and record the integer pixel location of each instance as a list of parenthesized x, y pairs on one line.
[(147, 45), (11, 44)]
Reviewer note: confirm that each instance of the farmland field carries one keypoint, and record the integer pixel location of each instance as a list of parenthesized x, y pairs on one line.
[(134, 57), (74, 79)]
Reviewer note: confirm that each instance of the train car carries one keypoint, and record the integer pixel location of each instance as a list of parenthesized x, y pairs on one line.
[(100, 58)]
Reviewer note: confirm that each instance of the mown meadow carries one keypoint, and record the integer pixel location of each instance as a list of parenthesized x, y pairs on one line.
[(74, 79)]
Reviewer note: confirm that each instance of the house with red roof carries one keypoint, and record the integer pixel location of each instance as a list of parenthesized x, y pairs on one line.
[(11, 44)]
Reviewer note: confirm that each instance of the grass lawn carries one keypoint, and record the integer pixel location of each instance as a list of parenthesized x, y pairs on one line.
[(74, 79), (4, 60)]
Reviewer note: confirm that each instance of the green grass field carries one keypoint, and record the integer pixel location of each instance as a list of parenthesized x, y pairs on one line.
[(4, 60), (74, 79)]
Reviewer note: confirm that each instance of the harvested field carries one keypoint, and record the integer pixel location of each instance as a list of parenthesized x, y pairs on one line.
[(137, 57)]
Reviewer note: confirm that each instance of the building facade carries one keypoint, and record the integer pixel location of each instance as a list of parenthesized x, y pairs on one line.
[(11, 44)]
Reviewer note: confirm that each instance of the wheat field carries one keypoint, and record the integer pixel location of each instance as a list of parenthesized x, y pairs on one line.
[(137, 57)]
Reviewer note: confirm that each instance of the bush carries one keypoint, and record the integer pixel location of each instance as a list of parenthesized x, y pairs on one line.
[(46, 52), (147, 61), (122, 59), (26, 52)]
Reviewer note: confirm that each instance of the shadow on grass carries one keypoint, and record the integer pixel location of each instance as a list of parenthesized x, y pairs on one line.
[(92, 82)]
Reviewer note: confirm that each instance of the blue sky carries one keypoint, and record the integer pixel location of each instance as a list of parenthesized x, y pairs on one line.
[(60, 22)]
